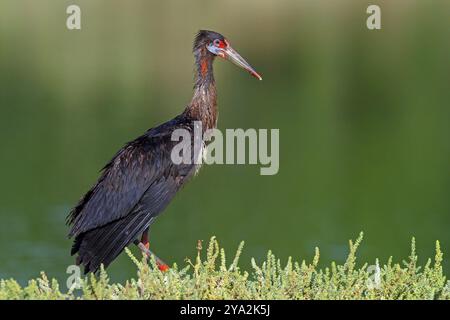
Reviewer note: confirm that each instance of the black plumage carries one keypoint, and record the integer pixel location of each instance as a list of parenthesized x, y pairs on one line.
[(141, 179)]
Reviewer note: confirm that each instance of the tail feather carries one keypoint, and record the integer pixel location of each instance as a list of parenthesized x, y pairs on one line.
[(111, 249), (102, 245)]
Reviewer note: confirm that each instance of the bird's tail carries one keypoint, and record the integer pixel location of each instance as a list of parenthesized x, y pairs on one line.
[(102, 245)]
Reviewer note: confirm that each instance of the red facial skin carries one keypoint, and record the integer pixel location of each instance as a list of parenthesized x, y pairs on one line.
[(223, 44), (219, 44)]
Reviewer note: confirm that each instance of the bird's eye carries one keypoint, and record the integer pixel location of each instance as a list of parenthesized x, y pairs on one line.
[(217, 43)]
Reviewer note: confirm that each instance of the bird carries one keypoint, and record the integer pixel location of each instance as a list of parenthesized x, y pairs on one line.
[(141, 179)]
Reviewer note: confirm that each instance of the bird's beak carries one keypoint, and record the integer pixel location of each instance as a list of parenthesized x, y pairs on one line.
[(233, 56)]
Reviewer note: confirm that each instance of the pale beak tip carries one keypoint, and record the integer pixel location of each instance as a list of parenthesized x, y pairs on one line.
[(257, 76)]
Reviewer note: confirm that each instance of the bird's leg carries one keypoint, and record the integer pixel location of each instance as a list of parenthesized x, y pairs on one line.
[(144, 239), (161, 264), (144, 245)]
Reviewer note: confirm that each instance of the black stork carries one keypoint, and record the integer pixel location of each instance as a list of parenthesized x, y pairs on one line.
[(141, 179)]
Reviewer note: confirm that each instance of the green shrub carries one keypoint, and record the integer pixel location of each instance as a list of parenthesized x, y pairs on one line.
[(212, 277)]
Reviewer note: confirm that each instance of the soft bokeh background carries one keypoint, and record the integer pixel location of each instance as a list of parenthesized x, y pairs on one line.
[(363, 118)]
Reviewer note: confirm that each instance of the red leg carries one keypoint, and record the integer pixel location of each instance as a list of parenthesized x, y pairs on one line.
[(144, 239), (145, 247)]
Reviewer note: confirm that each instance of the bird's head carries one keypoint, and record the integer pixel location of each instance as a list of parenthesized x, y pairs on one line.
[(217, 45)]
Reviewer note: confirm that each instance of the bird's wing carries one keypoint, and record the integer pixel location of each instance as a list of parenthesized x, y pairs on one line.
[(140, 166), (103, 244)]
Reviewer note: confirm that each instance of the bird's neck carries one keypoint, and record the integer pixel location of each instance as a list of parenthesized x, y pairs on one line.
[(203, 106)]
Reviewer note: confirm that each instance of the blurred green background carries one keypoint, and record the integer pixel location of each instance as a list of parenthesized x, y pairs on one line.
[(363, 118)]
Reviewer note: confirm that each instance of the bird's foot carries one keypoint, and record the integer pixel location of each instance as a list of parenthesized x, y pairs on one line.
[(163, 267)]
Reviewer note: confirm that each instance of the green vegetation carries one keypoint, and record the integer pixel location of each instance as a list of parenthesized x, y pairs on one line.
[(211, 277)]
